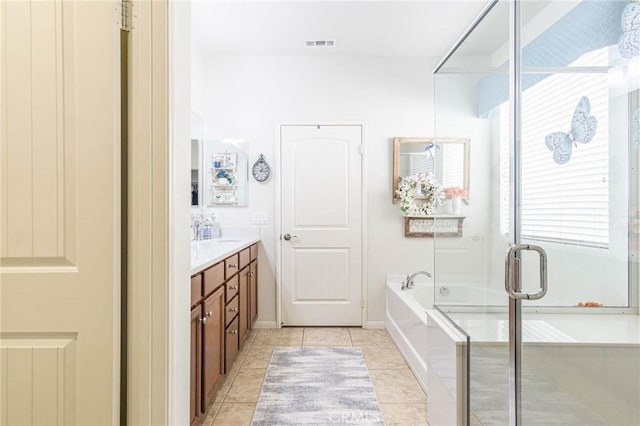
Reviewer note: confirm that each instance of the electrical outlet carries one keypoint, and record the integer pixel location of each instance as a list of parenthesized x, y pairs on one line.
[(260, 218)]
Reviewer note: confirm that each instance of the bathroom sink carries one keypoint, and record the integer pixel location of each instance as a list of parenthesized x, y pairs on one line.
[(227, 241)]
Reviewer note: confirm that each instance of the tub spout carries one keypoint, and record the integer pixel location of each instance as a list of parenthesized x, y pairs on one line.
[(408, 282)]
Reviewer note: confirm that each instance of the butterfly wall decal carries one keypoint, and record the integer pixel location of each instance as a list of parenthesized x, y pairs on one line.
[(430, 150), (629, 43), (583, 129)]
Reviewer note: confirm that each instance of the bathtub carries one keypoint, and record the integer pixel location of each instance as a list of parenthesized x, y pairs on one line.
[(448, 350), (436, 350)]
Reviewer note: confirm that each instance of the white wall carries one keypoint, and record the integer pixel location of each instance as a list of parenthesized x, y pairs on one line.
[(465, 260), (248, 96)]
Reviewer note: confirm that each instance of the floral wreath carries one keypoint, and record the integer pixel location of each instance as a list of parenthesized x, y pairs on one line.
[(419, 184)]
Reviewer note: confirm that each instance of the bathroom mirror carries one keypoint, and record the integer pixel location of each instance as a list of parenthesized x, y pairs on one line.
[(224, 172), (446, 158), (196, 195)]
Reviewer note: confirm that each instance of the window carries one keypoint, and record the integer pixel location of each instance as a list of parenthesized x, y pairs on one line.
[(569, 202)]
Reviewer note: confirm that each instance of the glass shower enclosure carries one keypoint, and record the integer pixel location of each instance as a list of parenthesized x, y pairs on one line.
[(543, 281)]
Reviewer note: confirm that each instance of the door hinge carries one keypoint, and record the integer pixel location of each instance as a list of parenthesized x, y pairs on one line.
[(126, 15), (361, 149), (362, 303)]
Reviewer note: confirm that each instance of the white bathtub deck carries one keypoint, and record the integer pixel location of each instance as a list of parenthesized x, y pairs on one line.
[(578, 328)]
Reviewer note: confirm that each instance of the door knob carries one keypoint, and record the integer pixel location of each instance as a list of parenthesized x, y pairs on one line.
[(287, 237)]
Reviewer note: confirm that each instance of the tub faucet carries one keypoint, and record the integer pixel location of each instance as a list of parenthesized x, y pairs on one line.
[(408, 282)]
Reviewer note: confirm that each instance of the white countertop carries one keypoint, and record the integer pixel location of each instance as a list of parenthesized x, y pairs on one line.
[(206, 253)]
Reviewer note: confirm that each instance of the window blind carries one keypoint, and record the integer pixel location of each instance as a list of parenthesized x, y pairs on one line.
[(569, 202)]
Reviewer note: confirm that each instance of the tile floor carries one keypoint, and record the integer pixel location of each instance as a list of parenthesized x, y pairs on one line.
[(401, 399)]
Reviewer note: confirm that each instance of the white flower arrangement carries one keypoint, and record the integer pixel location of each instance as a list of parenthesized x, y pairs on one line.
[(420, 184)]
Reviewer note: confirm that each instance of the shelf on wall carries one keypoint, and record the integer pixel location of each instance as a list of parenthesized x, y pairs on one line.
[(442, 225)]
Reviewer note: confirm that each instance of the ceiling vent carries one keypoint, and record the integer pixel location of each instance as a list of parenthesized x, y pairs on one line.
[(320, 43)]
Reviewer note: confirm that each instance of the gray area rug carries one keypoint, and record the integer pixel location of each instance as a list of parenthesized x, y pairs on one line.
[(317, 386)]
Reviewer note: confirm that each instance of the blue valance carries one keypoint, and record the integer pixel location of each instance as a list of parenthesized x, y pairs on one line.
[(591, 25)]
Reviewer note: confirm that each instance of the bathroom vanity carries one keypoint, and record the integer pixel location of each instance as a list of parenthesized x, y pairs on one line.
[(224, 307)]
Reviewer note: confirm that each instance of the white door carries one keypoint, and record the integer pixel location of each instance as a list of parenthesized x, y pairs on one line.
[(60, 214), (321, 216)]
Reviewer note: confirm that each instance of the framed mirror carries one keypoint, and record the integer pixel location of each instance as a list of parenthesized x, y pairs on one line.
[(224, 172), (446, 158)]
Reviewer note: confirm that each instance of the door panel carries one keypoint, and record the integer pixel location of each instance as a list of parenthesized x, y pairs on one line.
[(330, 280), (243, 302), (308, 158), (576, 203), (253, 293), (195, 375), (60, 220), (212, 336), (321, 210)]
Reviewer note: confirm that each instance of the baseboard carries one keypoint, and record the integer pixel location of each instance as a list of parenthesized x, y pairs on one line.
[(374, 325), (265, 324)]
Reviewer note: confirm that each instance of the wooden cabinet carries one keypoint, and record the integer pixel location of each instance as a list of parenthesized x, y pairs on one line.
[(231, 265), (195, 409), (244, 257), (231, 345), (224, 302), (231, 310), (243, 293), (212, 341), (232, 288), (196, 289), (213, 278), (253, 292)]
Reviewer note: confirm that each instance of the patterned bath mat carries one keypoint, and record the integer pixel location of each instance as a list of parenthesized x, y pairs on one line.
[(317, 386)]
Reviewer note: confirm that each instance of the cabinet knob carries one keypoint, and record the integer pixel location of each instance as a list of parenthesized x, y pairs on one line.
[(209, 314), (250, 273), (234, 331), (233, 309), (203, 320), (233, 266), (233, 287)]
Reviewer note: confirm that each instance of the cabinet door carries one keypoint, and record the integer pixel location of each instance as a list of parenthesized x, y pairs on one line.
[(244, 303), (244, 257), (231, 265), (212, 338), (196, 289), (231, 344), (253, 293), (194, 378), (213, 278)]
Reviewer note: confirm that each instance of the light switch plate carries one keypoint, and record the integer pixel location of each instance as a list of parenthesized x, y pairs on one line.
[(261, 218)]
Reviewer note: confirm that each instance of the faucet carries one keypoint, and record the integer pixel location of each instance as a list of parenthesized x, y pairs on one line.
[(408, 282)]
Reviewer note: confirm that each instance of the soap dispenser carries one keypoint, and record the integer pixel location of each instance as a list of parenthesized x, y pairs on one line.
[(215, 226)]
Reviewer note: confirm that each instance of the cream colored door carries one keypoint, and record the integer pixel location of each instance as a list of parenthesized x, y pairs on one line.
[(60, 213), (321, 223)]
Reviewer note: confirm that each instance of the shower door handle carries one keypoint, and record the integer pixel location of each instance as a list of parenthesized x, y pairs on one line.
[(510, 279)]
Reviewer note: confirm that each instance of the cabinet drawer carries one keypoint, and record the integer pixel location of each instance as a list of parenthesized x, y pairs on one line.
[(231, 265), (231, 344), (196, 289), (245, 257), (232, 288), (231, 310), (213, 278), (254, 251)]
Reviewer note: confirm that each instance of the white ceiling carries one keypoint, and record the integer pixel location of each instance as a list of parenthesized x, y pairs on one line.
[(382, 28)]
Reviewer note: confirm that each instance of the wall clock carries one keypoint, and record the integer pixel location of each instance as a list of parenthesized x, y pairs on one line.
[(261, 169)]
